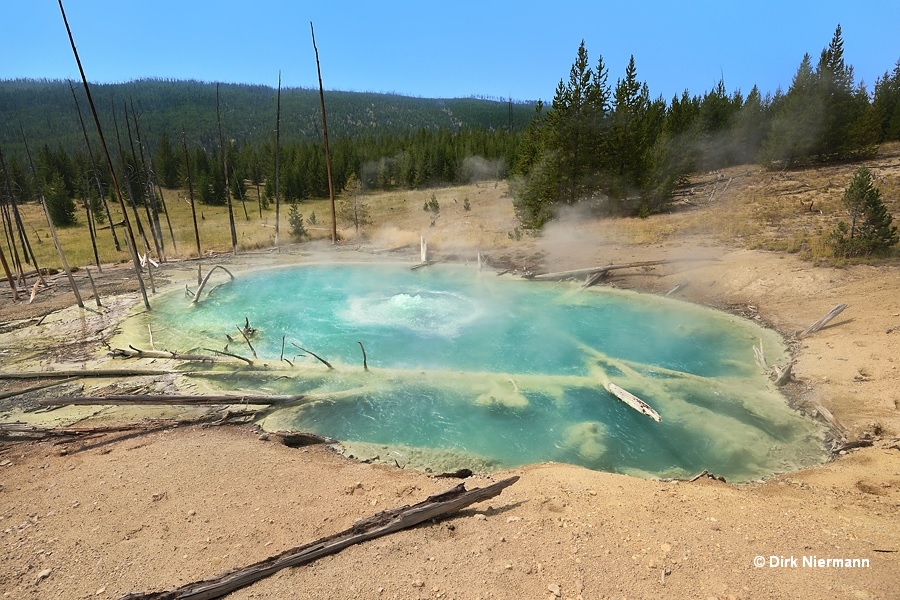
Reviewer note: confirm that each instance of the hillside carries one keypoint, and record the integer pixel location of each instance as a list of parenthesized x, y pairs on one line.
[(46, 111)]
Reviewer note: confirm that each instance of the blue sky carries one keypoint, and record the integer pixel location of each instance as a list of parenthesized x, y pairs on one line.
[(447, 49)]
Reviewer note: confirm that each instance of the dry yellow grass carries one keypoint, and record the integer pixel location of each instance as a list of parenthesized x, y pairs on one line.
[(743, 206)]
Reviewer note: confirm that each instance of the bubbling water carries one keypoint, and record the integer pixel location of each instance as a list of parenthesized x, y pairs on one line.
[(469, 369)]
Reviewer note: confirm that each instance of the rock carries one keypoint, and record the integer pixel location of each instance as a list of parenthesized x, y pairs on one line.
[(418, 583), (43, 575), (554, 589)]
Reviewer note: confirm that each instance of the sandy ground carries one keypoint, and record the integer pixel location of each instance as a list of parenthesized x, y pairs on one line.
[(98, 520)]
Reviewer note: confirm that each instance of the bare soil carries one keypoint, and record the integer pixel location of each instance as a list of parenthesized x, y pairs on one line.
[(155, 511)]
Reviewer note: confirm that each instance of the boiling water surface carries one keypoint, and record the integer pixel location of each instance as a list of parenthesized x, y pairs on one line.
[(500, 372)]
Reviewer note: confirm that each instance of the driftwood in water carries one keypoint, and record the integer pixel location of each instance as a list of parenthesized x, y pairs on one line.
[(314, 355), (633, 401), (760, 356), (594, 279), (226, 353), (244, 332), (132, 352), (365, 361), (426, 263), (168, 399), (821, 323), (613, 267), (782, 375), (375, 526), (205, 279)]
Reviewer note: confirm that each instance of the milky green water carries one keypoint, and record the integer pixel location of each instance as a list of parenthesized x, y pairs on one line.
[(510, 372)]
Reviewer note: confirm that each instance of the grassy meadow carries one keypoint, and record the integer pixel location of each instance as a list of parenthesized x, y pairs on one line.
[(745, 206)]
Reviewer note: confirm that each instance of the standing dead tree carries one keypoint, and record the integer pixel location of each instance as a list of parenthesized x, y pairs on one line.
[(224, 152), (59, 250), (325, 138), (190, 182), (19, 225), (96, 171), (278, 159), (134, 256)]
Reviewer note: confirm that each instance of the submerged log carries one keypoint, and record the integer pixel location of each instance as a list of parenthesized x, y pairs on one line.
[(633, 401), (375, 526)]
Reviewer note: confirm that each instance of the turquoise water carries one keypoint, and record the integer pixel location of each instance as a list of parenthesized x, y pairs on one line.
[(506, 371)]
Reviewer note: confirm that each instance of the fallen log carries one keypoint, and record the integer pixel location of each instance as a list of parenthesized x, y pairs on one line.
[(12, 432), (560, 275), (85, 373), (169, 399), (132, 352), (821, 323), (633, 401), (35, 388), (375, 526)]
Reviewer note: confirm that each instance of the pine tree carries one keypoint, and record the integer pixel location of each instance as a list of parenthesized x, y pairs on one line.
[(870, 230), (166, 163), (59, 204)]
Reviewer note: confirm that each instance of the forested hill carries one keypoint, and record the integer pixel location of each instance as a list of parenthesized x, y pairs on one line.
[(45, 110)]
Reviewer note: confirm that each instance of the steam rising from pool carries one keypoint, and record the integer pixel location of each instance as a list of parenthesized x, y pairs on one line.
[(467, 369)]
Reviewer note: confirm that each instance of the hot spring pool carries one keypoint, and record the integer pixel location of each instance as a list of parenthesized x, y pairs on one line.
[(496, 372)]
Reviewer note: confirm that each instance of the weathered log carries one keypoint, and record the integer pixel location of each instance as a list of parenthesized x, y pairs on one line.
[(633, 401), (424, 263), (365, 361), (821, 323), (205, 279), (377, 525), (132, 352), (25, 431), (299, 439), (169, 399), (612, 267), (760, 356), (314, 355), (35, 388), (247, 337), (85, 373), (677, 288), (783, 374), (226, 353)]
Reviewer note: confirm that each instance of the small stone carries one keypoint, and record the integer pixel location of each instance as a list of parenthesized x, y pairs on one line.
[(579, 586), (481, 516), (264, 437), (43, 575), (100, 591), (513, 519), (418, 583), (554, 589), (192, 512)]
